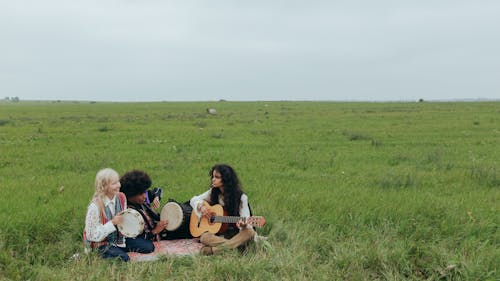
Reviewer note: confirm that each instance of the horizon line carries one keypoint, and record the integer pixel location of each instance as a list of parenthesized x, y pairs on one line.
[(9, 99)]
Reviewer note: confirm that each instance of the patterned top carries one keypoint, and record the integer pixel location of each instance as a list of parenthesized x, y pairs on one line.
[(151, 218)]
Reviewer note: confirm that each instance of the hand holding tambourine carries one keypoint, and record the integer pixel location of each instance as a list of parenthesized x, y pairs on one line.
[(117, 219), (130, 223)]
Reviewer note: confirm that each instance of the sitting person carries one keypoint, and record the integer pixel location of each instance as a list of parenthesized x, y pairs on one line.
[(103, 214), (226, 191), (135, 185)]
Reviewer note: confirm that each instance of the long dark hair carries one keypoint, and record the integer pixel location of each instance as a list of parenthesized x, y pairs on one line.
[(232, 189)]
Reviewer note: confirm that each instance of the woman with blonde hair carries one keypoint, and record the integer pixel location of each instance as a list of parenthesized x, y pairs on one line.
[(103, 214)]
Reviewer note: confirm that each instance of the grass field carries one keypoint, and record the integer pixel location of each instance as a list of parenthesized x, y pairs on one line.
[(351, 191)]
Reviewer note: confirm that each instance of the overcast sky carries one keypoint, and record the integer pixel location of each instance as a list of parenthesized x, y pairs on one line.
[(160, 50)]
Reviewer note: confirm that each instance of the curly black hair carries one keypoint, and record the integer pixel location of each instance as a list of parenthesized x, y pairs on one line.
[(134, 182), (232, 189)]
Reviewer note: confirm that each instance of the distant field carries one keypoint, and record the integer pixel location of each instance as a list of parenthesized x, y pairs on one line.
[(351, 191)]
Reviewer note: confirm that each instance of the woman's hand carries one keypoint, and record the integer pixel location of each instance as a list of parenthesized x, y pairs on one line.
[(160, 226), (241, 223), (116, 220), (205, 211)]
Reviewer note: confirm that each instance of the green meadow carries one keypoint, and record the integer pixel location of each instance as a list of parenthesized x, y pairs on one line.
[(350, 191)]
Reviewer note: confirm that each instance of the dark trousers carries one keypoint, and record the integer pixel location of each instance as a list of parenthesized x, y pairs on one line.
[(139, 245), (112, 252)]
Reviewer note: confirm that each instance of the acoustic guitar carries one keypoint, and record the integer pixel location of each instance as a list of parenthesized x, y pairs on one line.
[(218, 222)]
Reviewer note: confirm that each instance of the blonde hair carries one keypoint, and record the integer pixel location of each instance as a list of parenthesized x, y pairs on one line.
[(102, 181)]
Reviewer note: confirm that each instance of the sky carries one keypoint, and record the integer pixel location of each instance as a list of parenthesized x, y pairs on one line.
[(189, 50)]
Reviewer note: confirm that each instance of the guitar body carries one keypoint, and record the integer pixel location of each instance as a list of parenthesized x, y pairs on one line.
[(199, 225), (218, 221), (224, 226)]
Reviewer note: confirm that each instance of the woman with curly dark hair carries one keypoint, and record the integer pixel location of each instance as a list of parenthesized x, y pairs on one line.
[(225, 190), (135, 185)]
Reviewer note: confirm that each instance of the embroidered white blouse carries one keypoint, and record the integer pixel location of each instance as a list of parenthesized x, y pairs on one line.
[(95, 230)]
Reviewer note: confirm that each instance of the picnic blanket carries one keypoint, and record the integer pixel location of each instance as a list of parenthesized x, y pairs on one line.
[(179, 247)]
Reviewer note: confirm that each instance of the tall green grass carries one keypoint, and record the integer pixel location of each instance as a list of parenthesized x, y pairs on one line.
[(351, 191)]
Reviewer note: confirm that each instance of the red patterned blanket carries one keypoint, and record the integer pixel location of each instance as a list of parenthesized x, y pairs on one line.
[(178, 247)]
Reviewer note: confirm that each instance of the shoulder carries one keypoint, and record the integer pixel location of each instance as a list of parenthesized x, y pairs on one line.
[(92, 207), (135, 207), (122, 196), (206, 193)]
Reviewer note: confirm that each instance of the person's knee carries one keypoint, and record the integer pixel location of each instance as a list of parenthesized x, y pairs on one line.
[(140, 245), (249, 233), (148, 248), (124, 257), (204, 238), (145, 247), (115, 253)]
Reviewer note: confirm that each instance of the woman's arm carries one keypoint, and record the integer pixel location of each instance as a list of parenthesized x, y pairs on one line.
[(197, 201), (244, 210)]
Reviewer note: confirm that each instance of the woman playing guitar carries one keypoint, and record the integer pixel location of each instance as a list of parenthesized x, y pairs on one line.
[(226, 191)]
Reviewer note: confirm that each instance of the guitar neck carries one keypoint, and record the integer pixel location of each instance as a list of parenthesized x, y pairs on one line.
[(227, 219), (253, 221)]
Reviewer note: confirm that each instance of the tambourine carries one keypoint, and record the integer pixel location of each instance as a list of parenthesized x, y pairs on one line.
[(132, 223)]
